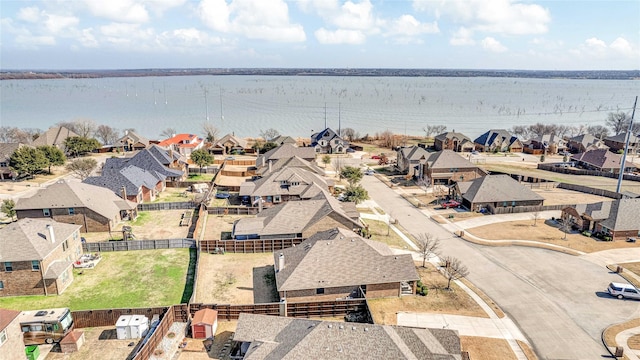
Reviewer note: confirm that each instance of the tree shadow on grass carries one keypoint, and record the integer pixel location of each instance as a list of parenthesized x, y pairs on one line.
[(190, 280)]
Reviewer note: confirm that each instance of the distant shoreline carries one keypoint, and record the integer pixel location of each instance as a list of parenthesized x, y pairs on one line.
[(534, 74)]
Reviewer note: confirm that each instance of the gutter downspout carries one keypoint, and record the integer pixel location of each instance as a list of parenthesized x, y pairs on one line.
[(44, 281)]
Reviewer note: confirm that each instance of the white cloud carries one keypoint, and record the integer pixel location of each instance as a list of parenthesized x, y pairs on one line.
[(493, 45), (160, 6), (128, 11), (31, 41), (462, 37), (354, 16), (407, 25), (56, 23), (255, 19), (494, 16), (87, 39), (340, 36), (622, 46), (29, 14)]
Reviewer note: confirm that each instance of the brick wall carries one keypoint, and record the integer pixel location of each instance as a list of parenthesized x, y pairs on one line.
[(383, 290), (13, 348), (22, 280), (89, 219), (330, 293)]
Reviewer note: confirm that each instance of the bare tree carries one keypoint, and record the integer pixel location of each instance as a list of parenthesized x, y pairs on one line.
[(14, 134), (349, 134), (211, 131), (598, 131), (520, 131), (536, 216), (427, 245), (388, 140), (453, 269), (168, 133), (269, 134), (71, 125), (618, 122), (85, 127), (107, 134), (82, 168), (430, 130)]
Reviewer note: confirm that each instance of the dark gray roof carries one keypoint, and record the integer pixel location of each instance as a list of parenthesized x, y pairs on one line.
[(624, 215), (71, 194), (488, 137), (285, 338), (293, 161), (286, 151), (448, 159), (596, 211), (498, 188), (601, 158), (132, 178), (452, 135), (622, 138), (281, 182), (28, 239), (340, 257)]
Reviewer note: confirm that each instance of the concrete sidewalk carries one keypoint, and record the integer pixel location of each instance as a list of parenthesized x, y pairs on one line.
[(622, 339)]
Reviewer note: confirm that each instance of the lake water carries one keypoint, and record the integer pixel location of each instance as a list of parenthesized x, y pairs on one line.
[(298, 105)]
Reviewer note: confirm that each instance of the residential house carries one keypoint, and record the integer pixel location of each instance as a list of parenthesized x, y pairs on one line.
[(498, 191), (584, 143), (131, 141), (6, 150), (446, 167), (498, 140), (93, 208), (11, 343), (618, 218), (168, 158), (284, 140), (548, 144), (338, 263), (409, 160), (185, 144), (285, 151), (286, 184), (602, 160), (452, 140), (297, 219), (54, 136), (293, 161), (277, 337), (37, 257), (131, 183), (616, 143), (328, 141), (230, 144)]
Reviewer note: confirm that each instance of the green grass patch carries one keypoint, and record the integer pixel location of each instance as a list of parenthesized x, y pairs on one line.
[(380, 211), (174, 195), (200, 177), (122, 279), (143, 218)]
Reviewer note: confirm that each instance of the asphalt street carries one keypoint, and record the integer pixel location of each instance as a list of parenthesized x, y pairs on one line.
[(558, 300)]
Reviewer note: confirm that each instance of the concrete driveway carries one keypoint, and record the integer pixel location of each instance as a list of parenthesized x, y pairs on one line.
[(557, 300)]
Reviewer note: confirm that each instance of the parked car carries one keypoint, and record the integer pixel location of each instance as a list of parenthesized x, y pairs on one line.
[(475, 152), (622, 291), (223, 195), (450, 204), (230, 158), (350, 150), (375, 157), (369, 172)]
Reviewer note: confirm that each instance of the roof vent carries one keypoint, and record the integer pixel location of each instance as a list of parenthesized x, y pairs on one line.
[(353, 328), (329, 326), (341, 326), (366, 329), (41, 313)]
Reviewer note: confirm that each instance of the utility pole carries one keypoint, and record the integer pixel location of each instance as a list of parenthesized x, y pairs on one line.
[(626, 147)]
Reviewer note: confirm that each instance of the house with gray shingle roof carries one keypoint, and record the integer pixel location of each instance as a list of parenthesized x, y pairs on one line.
[(297, 219), (54, 136), (584, 143), (285, 151), (618, 219), (283, 140), (602, 160), (452, 140), (410, 159), (293, 161), (617, 142), (264, 337), (446, 167), (230, 144), (328, 141), (130, 183), (131, 141), (94, 208), (498, 140), (6, 150), (337, 263), (498, 191), (36, 257), (545, 144), (286, 184)]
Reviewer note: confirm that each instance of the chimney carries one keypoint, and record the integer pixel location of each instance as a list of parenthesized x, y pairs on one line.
[(52, 235), (260, 204), (123, 193), (270, 166), (126, 132), (280, 262)]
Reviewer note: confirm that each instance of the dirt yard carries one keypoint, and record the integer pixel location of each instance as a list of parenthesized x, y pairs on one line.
[(481, 348), (164, 224), (217, 224), (556, 196), (438, 300), (100, 341), (236, 279), (546, 232)]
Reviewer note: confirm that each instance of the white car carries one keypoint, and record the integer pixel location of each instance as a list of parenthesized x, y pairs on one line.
[(622, 291), (369, 172)]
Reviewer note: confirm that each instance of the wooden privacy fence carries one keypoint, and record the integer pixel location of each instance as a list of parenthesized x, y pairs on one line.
[(138, 245), (572, 171), (293, 309), (167, 206), (590, 190), (231, 210), (247, 246), (145, 350), (523, 209), (108, 317)]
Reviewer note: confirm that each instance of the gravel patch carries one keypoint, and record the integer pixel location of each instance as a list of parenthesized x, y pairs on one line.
[(168, 347)]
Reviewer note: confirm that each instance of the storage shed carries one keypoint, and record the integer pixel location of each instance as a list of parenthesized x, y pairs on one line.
[(204, 324), (72, 342), (131, 326)]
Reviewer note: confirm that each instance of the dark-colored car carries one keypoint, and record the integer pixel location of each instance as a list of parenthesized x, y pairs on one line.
[(223, 195)]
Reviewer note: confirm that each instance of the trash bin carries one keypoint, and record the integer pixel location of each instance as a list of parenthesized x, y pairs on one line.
[(619, 269), (32, 352)]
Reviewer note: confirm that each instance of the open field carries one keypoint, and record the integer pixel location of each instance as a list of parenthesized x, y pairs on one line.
[(543, 232), (381, 232), (437, 300), (235, 279), (98, 340), (482, 348), (14, 187), (148, 225), (217, 224), (124, 279), (172, 194)]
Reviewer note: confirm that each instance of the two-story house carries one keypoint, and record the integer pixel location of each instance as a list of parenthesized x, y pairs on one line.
[(452, 140), (185, 144), (446, 167), (498, 140), (328, 141), (38, 257)]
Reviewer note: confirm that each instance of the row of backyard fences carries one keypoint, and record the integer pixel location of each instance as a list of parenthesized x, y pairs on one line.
[(207, 246), (106, 246), (567, 170), (178, 205)]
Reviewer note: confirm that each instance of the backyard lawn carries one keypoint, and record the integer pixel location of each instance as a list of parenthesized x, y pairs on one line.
[(125, 279), (382, 233)]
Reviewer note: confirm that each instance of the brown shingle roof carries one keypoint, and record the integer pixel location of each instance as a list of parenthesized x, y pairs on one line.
[(498, 188), (205, 316), (6, 317), (54, 136), (28, 239), (340, 257), (601, 158)]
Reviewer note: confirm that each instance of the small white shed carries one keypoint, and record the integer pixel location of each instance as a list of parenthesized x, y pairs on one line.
[(131, 326), (122, 327)]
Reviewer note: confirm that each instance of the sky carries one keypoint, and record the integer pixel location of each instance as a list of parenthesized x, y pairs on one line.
[(444, 34)]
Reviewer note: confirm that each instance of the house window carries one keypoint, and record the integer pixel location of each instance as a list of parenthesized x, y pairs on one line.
[(46, 212), (4, 164), (3, 337), (35, 265), (65, 245), (276, 198), (8, 266), (319, 291), (65, 277), (295, 183), (72, 211), (1, 285)]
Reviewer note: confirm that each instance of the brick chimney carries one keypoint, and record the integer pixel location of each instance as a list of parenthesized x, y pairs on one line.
[(123, 193)]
